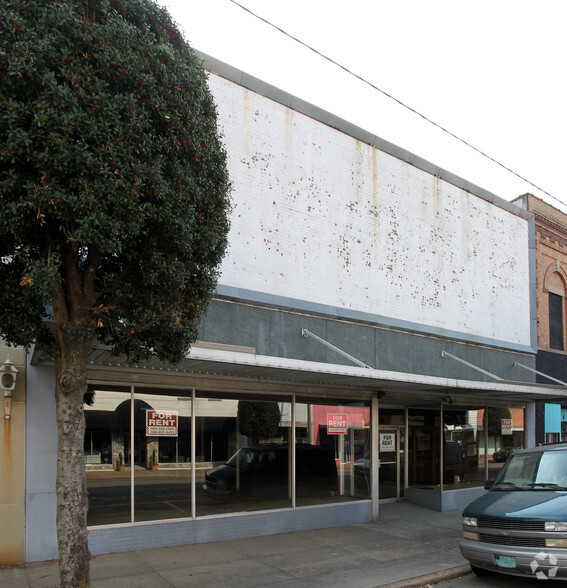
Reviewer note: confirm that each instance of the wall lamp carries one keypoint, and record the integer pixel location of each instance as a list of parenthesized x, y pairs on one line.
[(8, 375)]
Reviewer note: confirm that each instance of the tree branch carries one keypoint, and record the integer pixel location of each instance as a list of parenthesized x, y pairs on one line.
[(89, 10)]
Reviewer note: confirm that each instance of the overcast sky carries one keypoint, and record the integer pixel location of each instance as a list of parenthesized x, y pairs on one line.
[(490, 71)]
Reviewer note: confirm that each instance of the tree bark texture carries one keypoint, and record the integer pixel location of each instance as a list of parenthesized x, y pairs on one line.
[(72, 502)]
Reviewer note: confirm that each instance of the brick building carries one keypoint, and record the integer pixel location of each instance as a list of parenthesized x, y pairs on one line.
[(551, 283)]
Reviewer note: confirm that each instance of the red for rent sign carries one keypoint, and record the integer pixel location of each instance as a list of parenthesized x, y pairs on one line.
[(161, 423), (337, 424)]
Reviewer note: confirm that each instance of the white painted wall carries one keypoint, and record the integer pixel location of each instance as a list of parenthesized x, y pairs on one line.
[(324, 218)]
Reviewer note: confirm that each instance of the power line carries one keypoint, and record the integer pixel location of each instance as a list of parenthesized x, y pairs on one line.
[(374, 87)]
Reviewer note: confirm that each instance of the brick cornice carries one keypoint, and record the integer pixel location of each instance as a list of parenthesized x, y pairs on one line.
[(552, 231)]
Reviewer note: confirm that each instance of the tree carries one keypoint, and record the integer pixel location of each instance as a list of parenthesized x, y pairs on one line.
[(454, 418), (258, 419), (115, 203), (495, 414)]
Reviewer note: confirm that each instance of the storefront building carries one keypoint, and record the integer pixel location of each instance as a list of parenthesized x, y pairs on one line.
[(368, 304), (551, 292)]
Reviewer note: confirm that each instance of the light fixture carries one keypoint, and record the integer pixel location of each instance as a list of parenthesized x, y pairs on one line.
[(447, 400), (8, 375)]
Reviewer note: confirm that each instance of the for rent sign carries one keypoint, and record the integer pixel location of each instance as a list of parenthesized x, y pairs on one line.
[(506, 425), (161, 423), (387, 441), (337, 424)]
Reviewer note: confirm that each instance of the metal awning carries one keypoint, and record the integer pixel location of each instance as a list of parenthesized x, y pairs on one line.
[(220, 368), (517, 364)]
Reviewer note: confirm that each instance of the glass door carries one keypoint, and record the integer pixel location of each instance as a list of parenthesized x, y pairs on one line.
[(391, 452)]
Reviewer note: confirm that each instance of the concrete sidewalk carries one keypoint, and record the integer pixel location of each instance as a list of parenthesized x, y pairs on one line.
[(409, 546)]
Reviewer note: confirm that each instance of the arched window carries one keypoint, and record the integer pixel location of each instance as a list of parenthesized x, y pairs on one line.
[(556, 321), (555, 286)]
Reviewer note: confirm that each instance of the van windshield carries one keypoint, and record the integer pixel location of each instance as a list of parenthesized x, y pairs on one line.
[(243, 457), (540, 471)]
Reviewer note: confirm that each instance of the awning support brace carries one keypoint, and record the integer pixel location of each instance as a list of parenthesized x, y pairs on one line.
[(306, 333), (471, 365), (539, 373)]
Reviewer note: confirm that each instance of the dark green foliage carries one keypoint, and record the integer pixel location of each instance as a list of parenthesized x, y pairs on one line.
[(455, 418), (495, 415), (258, 419), (113, 181)]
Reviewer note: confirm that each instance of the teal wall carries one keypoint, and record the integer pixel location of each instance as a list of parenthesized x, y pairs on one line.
[(553, 418)]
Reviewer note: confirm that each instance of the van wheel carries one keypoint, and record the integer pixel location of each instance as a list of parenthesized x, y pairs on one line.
[(480, 571)]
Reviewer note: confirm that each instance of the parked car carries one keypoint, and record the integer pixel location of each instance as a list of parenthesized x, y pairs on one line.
[(519, 527), (261, 467), (503, 454)]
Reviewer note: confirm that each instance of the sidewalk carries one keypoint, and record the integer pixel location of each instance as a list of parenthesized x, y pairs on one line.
[(403, 548)]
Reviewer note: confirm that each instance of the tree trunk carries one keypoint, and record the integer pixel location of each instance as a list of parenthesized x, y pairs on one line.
[(72, 503)]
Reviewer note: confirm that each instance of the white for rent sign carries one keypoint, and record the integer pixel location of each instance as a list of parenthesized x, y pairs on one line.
[(337, 424), (387, 441), (161, 423), (506, 425)]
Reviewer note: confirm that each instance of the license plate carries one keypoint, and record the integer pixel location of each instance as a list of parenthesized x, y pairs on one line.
[(505, 561)]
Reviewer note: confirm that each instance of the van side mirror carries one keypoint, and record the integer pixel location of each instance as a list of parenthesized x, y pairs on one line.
[(488, 484)]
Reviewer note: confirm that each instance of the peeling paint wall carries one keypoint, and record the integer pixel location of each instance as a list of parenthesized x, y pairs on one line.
[(322, 217)]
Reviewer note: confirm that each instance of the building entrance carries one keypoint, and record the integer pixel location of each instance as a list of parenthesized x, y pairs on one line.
[(392, 455)]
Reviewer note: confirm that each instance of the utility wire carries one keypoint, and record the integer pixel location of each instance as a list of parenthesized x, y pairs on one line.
[(374, 87)]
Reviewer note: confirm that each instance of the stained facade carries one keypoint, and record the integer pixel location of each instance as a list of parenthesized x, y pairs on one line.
[(369, 297)]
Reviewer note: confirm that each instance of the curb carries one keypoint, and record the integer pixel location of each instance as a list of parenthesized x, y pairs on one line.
[(429, 579)]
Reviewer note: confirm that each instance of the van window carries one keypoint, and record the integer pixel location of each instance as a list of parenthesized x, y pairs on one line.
[(552, 468), (519, 471), (533, 470)]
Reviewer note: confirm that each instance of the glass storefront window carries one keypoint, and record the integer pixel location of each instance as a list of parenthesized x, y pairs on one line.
[(249, 459), (391, 455), (162, 449), (244, 453), (106, 458), (244, 450), (464, 454), (332, 453)]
